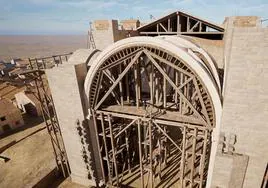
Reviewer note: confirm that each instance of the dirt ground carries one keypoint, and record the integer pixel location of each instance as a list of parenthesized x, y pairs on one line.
[(30, 158)]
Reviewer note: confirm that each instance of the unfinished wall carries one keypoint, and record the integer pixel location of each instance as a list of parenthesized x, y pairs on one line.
[(66, 84), (130, 24), (103, 32), (245, 109), (106, 32)]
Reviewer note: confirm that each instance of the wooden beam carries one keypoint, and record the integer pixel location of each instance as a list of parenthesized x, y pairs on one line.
[(151, 154), (140, 154), (136, 85), (195, 25), (173, 85), (188, 24), (113, 150), (184, 32), (183, 157), (152, 84), (170, 64), (176, 82), (113, 93), (106, 149), (121, 87), (163, 27), (125, 128), (156, 89), (202, 102), (170, 139), (169, 28), (178, 24), (98, 144), (193, 158), (203, 158), (96, 94), (165, 91), (118, 79), (119, 61), (127, 85), (160, 121), (181, 81)]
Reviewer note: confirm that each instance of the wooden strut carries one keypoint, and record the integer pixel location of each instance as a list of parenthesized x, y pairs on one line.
[(140, 154), (106, 149), (183, 157), (118, 79), (151, 155), (203, 158), (113, 150), (184, 91), (174, 86)]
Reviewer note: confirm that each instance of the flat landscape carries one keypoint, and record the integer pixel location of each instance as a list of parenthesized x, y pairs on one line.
[(24, 46)]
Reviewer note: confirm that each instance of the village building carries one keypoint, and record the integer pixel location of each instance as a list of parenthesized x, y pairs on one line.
[(10, 116), (183, 104), (28, 103)]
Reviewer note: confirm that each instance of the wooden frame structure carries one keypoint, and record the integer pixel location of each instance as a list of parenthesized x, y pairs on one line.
[(35, 80), (153, 117), (181, 23)]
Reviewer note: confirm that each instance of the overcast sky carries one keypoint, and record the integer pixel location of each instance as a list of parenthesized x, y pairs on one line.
[(73, 16)]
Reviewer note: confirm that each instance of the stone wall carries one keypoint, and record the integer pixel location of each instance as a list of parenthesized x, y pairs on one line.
[(66, 84), (245, 110), (106, 32)]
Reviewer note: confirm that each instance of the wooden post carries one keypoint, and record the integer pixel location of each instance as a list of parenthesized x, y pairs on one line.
[(156, 89), (127, 87), (136, 85), (188, 24), (165, 91), (98, 143), (176, 83), (183, 157), (140, 154), (203, 158), (193, 157), (151, 84), (151, 154), (118, 79), (121, 87), (178, 24), (106, 149), (113, 150), (169, 25)]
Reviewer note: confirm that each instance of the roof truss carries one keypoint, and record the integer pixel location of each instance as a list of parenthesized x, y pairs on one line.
[(182, 23)]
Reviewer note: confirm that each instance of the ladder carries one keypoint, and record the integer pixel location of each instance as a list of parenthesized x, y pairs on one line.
[(90, 42)]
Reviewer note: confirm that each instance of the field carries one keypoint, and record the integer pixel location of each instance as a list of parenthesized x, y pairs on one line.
[(39, 45)]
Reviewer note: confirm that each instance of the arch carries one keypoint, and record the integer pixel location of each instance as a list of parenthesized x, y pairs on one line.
[(161, 54), (177, 51)]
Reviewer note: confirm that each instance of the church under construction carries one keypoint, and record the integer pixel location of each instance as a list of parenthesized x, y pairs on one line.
[(177, 102)]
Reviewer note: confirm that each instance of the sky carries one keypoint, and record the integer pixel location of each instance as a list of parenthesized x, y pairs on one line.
[(73, 16)]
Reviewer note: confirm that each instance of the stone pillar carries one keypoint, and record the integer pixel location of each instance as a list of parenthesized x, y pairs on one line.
[(66, 83)]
